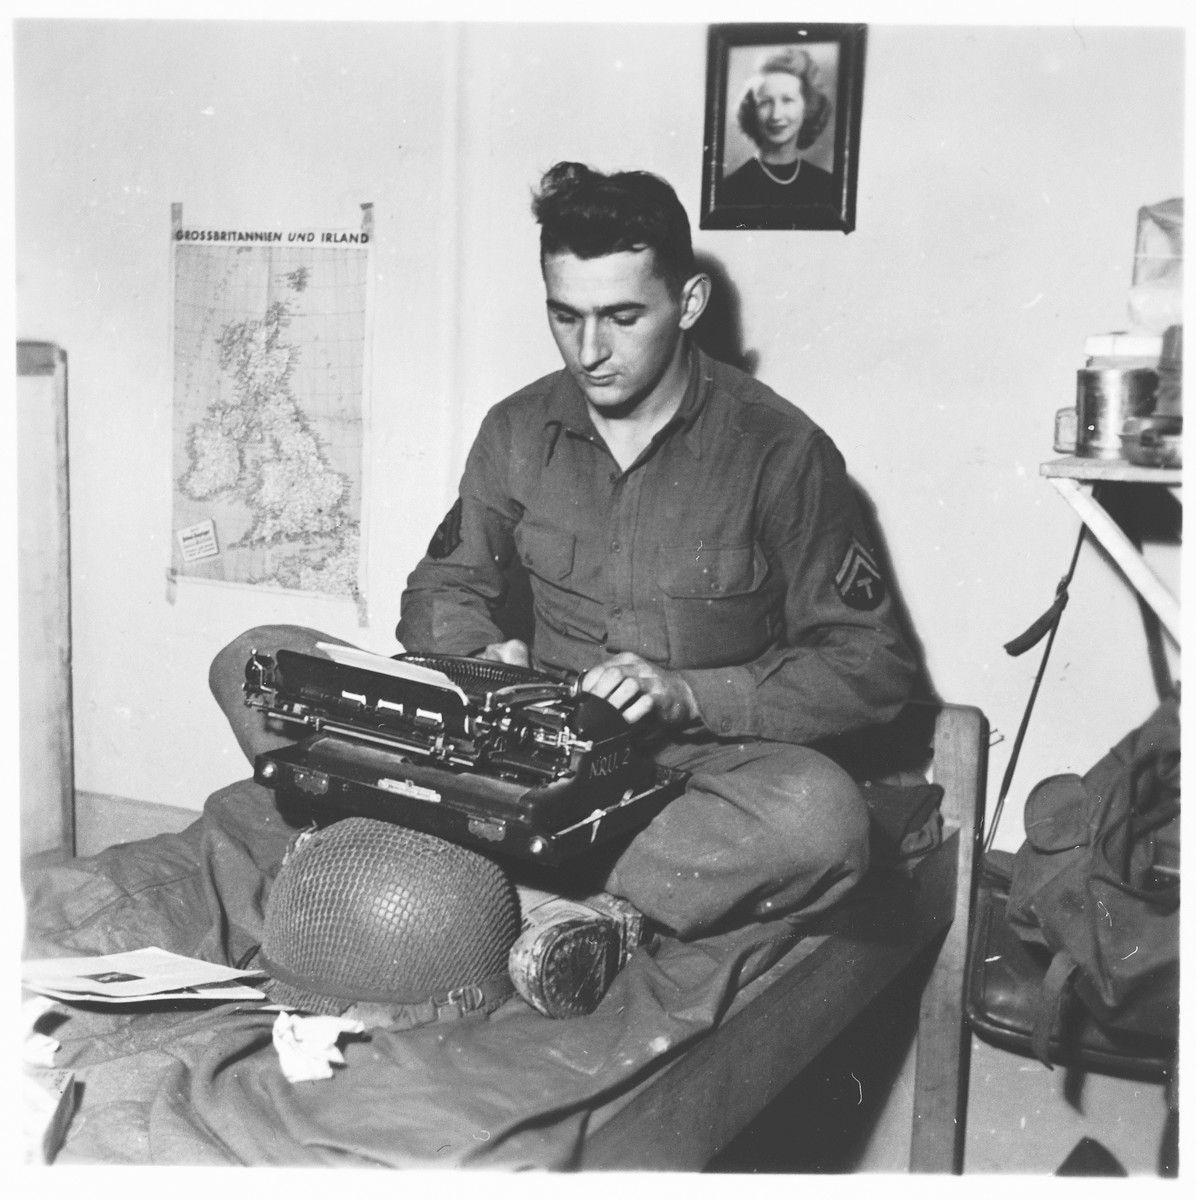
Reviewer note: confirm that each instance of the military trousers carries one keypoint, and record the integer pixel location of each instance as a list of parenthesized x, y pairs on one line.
[(763, 828)]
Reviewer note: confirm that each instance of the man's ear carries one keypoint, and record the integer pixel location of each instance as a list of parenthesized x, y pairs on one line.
[(695, 295)]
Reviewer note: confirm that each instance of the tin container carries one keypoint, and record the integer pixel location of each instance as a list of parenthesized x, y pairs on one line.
[(1153, 441), (1105, 398), (1065, 431)]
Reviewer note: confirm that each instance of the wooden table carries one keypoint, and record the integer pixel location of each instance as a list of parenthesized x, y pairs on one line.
[(1076, 479)]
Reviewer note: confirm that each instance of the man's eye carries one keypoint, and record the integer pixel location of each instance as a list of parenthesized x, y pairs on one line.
[(563, 318), (625, 322)]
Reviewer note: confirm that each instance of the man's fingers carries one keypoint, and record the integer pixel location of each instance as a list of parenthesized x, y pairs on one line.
[(627, 691), (635, 688), (589, 681), (637, 711), (514, 652), (601, 681), (632, 695)]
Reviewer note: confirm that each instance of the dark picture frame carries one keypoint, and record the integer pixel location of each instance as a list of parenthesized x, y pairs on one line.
[(739, 190)]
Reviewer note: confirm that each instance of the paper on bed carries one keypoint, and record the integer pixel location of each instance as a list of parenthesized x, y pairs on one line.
[(137, 975)]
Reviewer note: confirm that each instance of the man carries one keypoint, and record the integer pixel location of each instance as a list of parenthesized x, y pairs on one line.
[(693, 547)]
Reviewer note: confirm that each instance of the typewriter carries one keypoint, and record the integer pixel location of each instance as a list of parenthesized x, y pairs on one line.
[(505, 759)]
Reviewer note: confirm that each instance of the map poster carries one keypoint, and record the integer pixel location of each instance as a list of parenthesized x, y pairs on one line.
[(269, 369)]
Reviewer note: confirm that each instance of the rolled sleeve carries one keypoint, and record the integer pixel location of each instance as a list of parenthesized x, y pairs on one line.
[(726, 699)]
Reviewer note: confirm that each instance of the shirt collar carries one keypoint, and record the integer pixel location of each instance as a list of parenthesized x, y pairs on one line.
[(567, 407), (691, 415), (568, 412)]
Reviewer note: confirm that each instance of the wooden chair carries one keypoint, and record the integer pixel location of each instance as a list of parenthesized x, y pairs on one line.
[(682, 1115)]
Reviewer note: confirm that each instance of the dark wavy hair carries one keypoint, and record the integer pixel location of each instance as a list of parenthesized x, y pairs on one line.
[(584, 212), (799, 64)]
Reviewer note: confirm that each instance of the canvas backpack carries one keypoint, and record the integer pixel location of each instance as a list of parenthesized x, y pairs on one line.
[(1097, 884)]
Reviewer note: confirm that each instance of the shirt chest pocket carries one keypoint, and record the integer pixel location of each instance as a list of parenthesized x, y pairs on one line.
[(546, 553), (719, 604)]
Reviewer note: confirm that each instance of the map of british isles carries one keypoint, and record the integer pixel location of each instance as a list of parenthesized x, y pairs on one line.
[(269, 348)]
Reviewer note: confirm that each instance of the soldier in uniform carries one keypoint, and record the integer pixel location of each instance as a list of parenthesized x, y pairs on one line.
[(694, 549)]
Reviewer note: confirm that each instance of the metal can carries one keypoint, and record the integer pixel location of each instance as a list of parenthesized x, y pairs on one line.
[(1105, 398)]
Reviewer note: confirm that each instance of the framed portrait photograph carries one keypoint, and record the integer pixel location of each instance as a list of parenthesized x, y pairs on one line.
[(783, 105)]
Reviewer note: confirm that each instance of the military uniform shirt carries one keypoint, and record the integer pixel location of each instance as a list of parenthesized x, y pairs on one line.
[(731, 550)]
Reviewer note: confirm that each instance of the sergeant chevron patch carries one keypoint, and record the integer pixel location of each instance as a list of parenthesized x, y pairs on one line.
[(859, 580)]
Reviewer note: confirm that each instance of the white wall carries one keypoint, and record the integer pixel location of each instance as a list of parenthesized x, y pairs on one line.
[(247, 125), (1001, 170)]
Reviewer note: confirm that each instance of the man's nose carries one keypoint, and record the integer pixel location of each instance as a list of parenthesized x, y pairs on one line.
[(594, 347)]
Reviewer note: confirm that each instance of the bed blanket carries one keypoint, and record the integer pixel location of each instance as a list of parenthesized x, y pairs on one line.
[(184, 1084)]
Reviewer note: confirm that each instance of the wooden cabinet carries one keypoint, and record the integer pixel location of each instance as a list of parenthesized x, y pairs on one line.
[(44, 602)]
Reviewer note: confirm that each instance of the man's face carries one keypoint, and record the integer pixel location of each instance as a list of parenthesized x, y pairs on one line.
[(780, 109), (616, 324)]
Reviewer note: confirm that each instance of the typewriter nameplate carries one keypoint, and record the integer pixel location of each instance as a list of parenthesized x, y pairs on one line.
[(407, 787), (490, 831), (315, 783)]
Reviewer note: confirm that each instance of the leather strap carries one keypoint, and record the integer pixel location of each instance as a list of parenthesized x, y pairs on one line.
[(1046, 626), (1048, 1005)]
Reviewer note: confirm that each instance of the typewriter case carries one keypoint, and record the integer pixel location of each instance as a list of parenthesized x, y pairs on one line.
[(504, 759)]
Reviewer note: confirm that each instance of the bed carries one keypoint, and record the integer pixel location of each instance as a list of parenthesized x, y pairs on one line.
[(691, 1043)]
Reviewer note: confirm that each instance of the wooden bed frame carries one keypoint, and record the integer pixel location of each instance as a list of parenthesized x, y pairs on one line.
[(690, 1107), (683, 1114)]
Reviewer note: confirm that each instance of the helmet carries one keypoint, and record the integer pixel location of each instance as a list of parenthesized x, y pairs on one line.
[(396, 925)]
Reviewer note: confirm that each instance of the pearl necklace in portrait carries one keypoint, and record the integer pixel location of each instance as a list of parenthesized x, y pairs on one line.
[(778, 178)]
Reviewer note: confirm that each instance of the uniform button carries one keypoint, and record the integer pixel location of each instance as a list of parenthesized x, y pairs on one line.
[(725, 724), (616, 546), (616, 611)]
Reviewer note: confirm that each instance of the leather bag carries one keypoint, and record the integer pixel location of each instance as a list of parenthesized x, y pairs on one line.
[(1075, 950)]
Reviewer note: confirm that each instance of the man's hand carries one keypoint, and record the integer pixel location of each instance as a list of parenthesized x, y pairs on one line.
[(514, 652), (636, 688)]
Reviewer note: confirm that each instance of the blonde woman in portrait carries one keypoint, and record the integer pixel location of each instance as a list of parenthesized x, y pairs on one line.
[(783, 111)]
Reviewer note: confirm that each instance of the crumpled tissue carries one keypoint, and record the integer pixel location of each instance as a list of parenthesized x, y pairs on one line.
[(307, 1045), (38, 1049), (48, 1096)]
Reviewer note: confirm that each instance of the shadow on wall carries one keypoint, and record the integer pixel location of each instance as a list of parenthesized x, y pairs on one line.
[(720, 334), (720, 330)]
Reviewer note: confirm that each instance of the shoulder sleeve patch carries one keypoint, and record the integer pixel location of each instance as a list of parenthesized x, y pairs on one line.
[(448, 533), (859, 580)]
